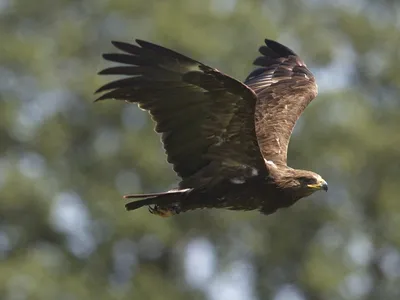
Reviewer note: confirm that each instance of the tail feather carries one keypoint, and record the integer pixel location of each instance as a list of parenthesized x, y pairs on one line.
[(139, 203), (152, 195), (164, 198)]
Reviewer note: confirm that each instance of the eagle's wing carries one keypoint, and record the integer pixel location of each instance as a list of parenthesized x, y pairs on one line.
[(284, 87), (206, 118)]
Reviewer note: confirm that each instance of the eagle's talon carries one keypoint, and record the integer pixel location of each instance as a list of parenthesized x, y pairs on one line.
[(152, 209), (165, 211)]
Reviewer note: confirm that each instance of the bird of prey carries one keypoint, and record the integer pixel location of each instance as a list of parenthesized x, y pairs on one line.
[(227, 140)]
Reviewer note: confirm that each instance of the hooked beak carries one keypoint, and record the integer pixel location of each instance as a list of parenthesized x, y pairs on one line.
[(320, 185)]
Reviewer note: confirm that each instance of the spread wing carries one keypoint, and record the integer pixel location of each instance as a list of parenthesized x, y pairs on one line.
[(284, 87), (206, 118)]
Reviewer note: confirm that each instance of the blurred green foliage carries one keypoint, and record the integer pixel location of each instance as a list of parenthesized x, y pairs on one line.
[(65, 162)]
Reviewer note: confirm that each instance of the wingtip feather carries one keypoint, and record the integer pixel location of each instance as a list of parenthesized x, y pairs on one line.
[(116, 43), (279, 48)]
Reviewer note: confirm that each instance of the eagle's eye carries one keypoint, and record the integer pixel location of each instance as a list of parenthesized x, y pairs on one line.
[(307, 180)]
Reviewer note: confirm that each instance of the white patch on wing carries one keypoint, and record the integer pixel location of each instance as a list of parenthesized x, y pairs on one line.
[(254, 172), (249, 171), (238, 180), (271, 163)]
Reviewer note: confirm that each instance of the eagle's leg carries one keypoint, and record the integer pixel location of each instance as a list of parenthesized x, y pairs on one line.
[(165, 211)]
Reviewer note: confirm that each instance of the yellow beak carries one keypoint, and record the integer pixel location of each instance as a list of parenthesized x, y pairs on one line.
[(320, 185)]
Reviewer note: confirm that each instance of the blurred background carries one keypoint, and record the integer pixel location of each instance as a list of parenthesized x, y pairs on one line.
[(65, 161)]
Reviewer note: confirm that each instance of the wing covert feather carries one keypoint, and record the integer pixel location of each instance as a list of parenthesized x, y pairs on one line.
[(284, 87)]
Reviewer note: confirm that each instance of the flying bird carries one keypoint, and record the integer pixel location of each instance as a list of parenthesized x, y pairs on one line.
[(227, 140)]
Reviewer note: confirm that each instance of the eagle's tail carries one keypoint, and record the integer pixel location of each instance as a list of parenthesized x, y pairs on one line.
[(165, 203)]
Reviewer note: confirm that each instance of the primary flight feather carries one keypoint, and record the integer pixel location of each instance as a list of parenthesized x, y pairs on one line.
[(226, 140)]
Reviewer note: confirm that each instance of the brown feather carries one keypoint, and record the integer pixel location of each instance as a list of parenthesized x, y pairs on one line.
[(206, 118), (284, 87)]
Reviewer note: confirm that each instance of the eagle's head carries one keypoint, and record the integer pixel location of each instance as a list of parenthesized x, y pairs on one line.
[(300, 183)]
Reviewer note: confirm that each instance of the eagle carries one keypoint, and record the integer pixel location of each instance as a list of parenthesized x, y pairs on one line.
[(227, 140)]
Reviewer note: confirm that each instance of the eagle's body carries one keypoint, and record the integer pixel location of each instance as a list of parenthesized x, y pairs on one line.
[(253, 194), (227, 140)]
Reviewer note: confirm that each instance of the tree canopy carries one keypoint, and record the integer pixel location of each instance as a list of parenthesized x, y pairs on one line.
[(65, 161)]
